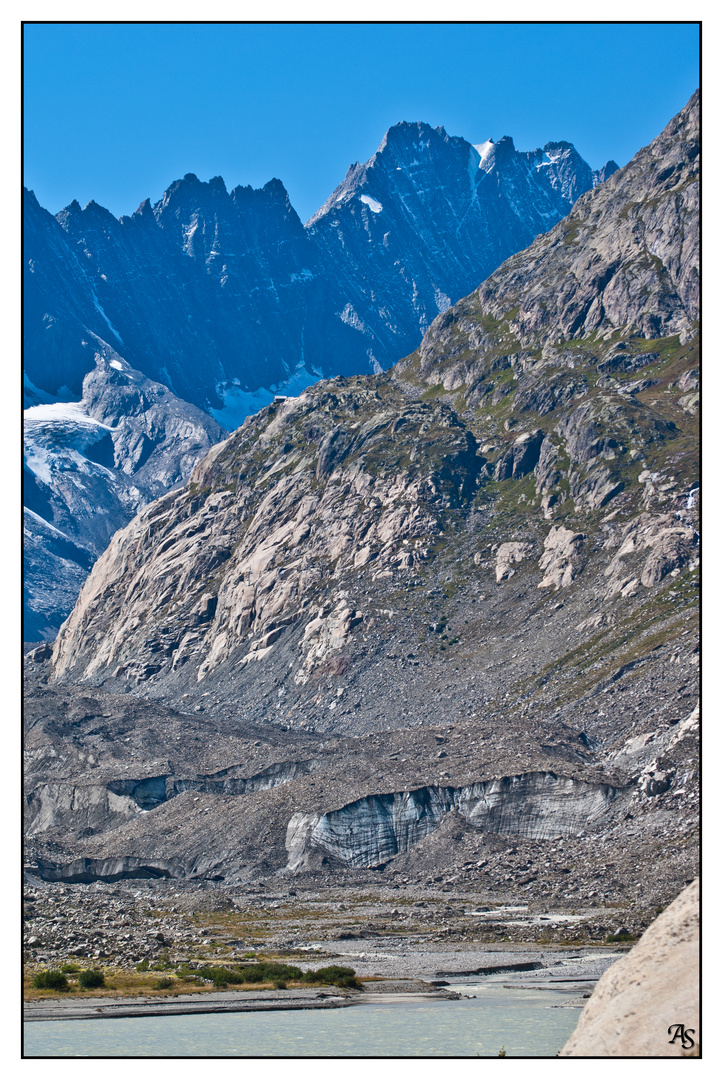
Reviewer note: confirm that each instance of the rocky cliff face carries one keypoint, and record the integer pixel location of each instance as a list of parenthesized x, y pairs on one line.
[(624, 263), (464, 590), (429, 216)]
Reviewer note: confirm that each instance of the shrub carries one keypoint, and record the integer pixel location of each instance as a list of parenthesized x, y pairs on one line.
[(270, 972), (611, 938), (164, 984), (334, 975), (70, 969), (50, 980), (90, 980), (280, 974), (184, 974), (143, 966)]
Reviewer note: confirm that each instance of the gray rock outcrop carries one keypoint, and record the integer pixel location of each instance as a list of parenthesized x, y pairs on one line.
[(639, 1002), (508, 555)]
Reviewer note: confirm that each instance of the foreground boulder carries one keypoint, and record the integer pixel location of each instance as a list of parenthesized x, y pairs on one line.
[(647, 1004)]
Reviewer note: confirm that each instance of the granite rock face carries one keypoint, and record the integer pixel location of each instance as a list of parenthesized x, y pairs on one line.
[(636, 1007), (318, 499)]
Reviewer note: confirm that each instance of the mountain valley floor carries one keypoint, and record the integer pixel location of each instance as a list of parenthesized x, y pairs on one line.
[(398, 937)]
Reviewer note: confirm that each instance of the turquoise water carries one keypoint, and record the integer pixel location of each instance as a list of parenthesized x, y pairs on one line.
[(520, 1020)]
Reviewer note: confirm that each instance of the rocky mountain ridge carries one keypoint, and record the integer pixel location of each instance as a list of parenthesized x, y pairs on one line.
[(459, 597), (177, 285), (358, 477)]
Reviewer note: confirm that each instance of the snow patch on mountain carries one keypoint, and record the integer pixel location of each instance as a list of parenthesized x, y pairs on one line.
[(442, 300), (374, 206), (99, 308), (238, 403), (350, 317), (61, 412), (484, 150)]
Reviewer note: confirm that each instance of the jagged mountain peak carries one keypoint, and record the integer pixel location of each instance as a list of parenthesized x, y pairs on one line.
[(144, 211), (189, 190), (607, 170), (414, 134)]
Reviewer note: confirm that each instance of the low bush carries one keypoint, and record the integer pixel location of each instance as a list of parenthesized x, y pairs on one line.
[(184, 974), (90, 980), (612, 938), (163, 964), (163, 984), (334, 975), (50, 980), (265, 971), (70, 969)]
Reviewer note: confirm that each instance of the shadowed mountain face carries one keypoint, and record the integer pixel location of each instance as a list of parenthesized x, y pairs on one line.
[(211, 290), (464, 590)]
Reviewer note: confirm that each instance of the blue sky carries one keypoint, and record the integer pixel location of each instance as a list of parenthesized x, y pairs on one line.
[(116, 112)]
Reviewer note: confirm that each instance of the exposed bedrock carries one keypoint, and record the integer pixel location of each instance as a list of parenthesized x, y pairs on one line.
[(371, 831)]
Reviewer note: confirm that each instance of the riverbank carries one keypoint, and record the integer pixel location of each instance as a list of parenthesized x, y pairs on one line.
[(181, 1004), (409, 974)]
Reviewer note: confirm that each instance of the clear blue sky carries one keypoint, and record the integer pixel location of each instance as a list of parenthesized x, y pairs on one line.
[(116, 112)]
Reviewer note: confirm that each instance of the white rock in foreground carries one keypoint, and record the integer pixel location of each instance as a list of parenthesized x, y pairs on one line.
[(639, 1002)]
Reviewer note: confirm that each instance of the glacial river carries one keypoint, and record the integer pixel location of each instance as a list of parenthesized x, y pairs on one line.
[(520, 1020)]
